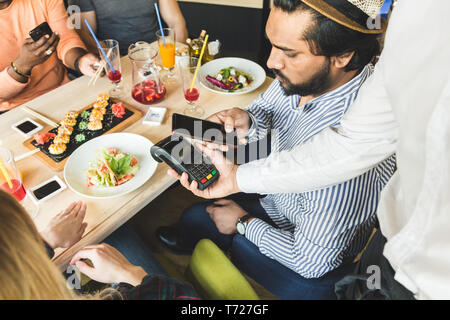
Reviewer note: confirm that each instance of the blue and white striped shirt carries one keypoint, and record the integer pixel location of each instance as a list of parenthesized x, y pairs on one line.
[(316, 230)]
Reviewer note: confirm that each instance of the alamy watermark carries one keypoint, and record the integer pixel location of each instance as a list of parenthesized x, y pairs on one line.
[(73, 279), (74, 20), (374, 280)]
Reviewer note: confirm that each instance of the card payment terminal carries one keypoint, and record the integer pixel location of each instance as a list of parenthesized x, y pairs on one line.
[(182, 156)]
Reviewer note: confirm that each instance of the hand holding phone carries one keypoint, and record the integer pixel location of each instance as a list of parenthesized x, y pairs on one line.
[(234, 119), (41, 30), (203, 130), (34, 53)]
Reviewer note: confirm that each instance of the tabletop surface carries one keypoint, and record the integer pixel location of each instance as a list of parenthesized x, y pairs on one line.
[(104, 216)]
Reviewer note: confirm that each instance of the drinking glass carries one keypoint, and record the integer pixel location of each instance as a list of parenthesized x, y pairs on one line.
[(114, 74), (187, 66), (166, 46), (147, 87), (11, 182)]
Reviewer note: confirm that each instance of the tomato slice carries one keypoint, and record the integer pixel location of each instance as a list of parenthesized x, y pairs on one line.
[(112, 151), (133, 162), (125, 179)]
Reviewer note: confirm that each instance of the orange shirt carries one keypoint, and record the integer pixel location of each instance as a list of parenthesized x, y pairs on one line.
[(16, 22)]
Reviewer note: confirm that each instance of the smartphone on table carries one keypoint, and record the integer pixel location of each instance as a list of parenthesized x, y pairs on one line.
[(40, 31), (203, 130)]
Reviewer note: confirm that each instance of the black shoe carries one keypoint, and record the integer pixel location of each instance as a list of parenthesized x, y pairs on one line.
[(170, 239)]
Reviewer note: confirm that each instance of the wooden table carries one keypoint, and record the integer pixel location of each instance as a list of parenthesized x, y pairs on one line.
[(104, 216)]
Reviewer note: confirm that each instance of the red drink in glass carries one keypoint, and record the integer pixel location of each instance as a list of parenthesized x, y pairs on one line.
[(114, 77), (17, 190), (191, 96), (148, 92)]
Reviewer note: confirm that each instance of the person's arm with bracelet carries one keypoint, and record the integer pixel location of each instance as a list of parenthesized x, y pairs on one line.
[(15, 77), (171, 14)]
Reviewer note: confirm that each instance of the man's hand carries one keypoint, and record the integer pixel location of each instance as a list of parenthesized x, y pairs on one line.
[(231, 119), (109, 265), (35, 53), (225, 214), (88, 64), (67, 227), (224, 186)]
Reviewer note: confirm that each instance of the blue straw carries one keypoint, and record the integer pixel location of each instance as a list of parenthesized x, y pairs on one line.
[(160, 24), (99, 46)]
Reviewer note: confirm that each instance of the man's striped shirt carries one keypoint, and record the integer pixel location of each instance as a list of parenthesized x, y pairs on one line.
[(316, 230)]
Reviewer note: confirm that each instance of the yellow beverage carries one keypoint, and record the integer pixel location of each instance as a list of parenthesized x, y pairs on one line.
[(167, 53)]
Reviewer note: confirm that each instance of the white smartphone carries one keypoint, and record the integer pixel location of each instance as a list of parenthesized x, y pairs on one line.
[(47, 189), (27, 127)]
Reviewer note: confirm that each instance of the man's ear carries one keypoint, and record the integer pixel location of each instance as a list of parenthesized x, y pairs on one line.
[(342, 60)]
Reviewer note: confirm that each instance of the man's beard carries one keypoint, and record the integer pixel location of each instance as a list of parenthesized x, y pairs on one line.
[(319, 83)]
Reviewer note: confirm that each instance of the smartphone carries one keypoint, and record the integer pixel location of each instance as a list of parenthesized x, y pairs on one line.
[(47, 189), (40, 31), (27, 127), (202, 130)]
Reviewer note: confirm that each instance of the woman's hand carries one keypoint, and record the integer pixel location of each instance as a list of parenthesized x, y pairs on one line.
[(109, 265), (35, 53), (67, 227)]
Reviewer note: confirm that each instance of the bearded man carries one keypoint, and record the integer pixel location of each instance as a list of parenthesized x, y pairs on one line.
[(297, 245)]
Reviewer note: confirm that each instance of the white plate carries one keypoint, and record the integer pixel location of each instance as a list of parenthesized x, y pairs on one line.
[(78, 163), (247, 66)]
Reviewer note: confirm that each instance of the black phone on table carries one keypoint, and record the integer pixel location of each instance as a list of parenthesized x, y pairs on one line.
[(182, 156), (202, 130), (40, 31)]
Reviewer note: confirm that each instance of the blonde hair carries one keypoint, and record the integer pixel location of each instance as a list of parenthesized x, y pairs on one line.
[(26, 272)]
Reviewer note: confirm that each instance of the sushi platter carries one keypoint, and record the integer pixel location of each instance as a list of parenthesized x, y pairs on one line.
[(105, 115)]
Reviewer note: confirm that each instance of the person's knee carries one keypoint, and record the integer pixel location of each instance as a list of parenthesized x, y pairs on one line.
[(194, 216), (242, 248)]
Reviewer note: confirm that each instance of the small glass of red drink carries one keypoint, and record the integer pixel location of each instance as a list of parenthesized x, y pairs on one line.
[(113, 70), (190, 86), (11, 181)]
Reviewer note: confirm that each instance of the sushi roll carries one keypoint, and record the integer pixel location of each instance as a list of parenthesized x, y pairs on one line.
[(96, 115), (95, 125), (64, 138), (101, 109), (62, 130), (103, 97), (100, 104), (69, 122), (71, 115), (57, 148)]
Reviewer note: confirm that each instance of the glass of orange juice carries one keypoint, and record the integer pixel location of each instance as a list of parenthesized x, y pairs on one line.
[(166, 45)]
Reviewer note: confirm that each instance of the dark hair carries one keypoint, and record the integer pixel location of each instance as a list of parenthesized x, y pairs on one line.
[(328, 38)]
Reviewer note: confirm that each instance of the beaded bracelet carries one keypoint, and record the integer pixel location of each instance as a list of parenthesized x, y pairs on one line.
[(13, 66)]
